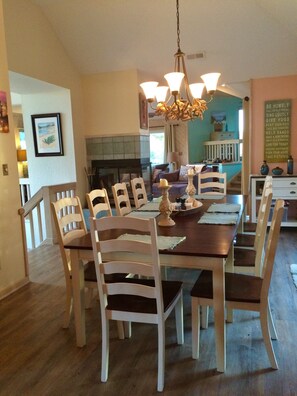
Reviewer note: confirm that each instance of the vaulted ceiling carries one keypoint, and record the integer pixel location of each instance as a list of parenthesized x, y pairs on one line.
[(242, 39)]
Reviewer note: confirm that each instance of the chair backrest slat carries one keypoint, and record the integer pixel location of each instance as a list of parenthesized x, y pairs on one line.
[(212, 183), (98, 201), (121, 199), (143, 260), (139, 192)]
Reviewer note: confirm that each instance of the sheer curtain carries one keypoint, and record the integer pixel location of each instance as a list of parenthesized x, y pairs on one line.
[(169, 139)]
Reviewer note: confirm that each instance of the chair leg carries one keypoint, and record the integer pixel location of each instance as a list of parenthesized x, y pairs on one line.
[(127, 329), (68, 308), (161, 356), (179, 319), (89, 297), (204, 316), (271, 324), (105, 349), (266, 335), (121, 330), (195, 328)]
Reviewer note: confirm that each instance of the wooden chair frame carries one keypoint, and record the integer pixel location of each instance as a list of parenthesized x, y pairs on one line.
[(256, 303), (118, 299)]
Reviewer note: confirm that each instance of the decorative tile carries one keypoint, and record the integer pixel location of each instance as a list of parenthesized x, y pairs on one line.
[(118, 148), (107, 148)]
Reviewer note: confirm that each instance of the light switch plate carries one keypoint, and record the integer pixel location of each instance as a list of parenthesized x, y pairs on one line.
[(5, 169)]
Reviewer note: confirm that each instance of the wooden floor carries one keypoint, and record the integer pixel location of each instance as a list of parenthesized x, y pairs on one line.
[(38, 357)]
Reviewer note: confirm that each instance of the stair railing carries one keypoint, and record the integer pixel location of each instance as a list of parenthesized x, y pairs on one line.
[(223, 149), (36, 215)]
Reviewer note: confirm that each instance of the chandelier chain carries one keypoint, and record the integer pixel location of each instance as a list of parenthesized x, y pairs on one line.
[(177, 25)]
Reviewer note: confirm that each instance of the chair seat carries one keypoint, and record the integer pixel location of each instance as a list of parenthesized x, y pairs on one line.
[(90, 274), (238, 287), (244, 257), (131, 303), (246, 240), (249, 227)]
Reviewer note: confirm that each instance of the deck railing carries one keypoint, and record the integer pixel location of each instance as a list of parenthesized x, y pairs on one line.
[(36, 215), (223, 150)]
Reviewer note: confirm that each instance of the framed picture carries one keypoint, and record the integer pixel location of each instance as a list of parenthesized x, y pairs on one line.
[(143, 112), (47, 134)]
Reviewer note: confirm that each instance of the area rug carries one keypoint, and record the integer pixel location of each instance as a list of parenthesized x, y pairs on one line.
[(293, 269)]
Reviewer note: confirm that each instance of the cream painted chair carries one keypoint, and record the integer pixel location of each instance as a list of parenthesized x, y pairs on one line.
[(249, 259), (69, 223), (249, 227), (121, 199), (212, 183), (139, 192), (244, 292), (98, 202), (134, 300)]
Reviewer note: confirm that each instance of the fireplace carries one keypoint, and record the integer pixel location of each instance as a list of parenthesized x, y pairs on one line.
[(108, 172)]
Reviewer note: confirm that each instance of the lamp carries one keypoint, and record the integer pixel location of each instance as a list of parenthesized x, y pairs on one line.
[(22, 157), (176, 107), (173, 157)]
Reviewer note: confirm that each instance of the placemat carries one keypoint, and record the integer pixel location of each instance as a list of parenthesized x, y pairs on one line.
[(149, 207), (224, 208), (164, 242), (209, 196), (143, 215), (218, 218)]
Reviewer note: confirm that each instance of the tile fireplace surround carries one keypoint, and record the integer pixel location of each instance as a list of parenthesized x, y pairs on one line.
[(118, 159)]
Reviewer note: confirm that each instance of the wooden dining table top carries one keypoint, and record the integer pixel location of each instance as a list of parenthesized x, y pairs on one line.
[(205, 240)]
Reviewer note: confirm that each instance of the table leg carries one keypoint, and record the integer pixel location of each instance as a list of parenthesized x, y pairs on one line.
[(219, 315), (230, 268), (78, 290)]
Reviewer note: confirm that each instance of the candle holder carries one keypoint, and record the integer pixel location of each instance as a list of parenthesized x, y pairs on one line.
[(191, 190), (165, 208)]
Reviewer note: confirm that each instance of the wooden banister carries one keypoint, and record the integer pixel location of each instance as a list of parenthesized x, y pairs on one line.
[(37, 212)]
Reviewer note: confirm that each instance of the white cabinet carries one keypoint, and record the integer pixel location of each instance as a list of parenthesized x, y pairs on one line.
[(283, 187)]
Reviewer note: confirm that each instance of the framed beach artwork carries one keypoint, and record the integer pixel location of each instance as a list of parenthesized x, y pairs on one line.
[(47, 134)]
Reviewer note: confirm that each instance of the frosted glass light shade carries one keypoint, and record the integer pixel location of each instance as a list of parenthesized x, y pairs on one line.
[(161, 93), (211, 81), (196, 90), (174, 81), (149, 89)]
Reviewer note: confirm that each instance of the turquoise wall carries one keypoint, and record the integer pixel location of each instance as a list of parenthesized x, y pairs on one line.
[(199, 130)]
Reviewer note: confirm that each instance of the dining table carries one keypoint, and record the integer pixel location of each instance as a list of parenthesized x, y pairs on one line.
[(204, 245)]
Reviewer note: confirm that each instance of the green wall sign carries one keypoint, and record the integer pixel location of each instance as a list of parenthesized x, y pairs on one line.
[(277, 130)]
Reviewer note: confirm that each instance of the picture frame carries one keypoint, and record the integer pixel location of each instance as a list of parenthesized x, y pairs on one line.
[(47, 134), (143, 112)]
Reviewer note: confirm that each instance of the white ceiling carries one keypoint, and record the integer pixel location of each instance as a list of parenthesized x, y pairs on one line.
[(242, 39)]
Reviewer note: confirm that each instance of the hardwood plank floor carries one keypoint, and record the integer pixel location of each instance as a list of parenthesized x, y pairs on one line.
[(38, 357)]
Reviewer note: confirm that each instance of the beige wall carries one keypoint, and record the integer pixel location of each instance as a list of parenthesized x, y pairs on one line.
[(12, 268), (34, 50), (271, 89), (111, 103)]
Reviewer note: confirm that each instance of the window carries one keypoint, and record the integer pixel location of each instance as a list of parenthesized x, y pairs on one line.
[(157, 147)]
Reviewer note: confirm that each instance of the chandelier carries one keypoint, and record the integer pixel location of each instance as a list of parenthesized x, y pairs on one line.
[(177, 107)]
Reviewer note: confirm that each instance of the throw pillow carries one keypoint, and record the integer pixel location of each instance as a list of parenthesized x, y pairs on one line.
[(156, 173), (170, 176), (183, 172)]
